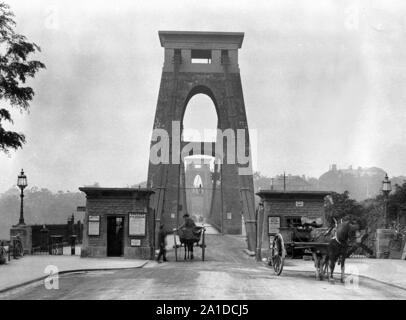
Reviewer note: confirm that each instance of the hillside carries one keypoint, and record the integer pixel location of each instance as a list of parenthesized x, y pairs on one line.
[(40, 206), (361, 183)]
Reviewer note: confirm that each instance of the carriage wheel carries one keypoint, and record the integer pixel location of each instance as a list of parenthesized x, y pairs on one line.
[(203, 245), (175, 247), (278, 253)]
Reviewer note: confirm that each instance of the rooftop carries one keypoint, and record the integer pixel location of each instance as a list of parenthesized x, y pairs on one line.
[(94, 191), (292, 194), (192, 39)]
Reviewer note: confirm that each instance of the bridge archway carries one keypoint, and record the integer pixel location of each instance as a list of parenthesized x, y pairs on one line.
[(200, 117), (219, 79)]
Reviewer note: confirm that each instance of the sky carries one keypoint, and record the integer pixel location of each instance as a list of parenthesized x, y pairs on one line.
[(323, 84)]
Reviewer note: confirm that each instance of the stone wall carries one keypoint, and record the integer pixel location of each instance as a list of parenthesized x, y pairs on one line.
[(288, 208), (25, 234)]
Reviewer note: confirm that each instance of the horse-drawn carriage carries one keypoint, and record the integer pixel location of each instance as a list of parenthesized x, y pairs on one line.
[(325, 245), (189, 238), (308, 238)]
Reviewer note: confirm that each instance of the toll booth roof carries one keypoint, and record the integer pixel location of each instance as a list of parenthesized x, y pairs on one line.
[(97, 191), (280, 194), (194, 39)]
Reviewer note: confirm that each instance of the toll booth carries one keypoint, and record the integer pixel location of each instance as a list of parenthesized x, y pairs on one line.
[(118, 223), (280, 211)]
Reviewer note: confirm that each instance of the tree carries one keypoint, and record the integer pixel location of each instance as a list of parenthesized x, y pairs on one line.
[(15, 68), (397, 201), (342, 206)]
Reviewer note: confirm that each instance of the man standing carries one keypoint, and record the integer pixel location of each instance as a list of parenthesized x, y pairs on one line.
[(162, 243)]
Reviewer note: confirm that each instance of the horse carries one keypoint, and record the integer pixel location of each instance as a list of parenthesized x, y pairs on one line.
[(338, 248), (320, 253), (188, 237), (188, 244)]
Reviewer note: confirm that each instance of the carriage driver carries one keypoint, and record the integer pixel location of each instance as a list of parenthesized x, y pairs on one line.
[(188, 223)]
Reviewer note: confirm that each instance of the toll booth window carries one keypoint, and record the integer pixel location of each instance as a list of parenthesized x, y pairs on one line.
[(201, 56), (293, 221)]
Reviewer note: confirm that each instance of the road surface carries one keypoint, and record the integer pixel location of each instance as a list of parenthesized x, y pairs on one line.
[(227, 273)]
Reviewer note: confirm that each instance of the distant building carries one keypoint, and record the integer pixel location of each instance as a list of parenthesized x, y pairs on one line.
[(290, 182), (361, 183)]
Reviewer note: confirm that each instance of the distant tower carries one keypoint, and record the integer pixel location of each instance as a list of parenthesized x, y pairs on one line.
[(199, 188)]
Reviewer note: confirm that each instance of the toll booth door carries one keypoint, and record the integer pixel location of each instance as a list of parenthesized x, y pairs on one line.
[(115, 234)]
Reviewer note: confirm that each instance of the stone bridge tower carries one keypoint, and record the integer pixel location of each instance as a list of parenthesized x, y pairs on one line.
[(207, 63)]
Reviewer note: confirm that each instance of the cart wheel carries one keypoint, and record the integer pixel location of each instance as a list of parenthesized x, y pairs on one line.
[(175, 246), (278, 253), (203, 245)]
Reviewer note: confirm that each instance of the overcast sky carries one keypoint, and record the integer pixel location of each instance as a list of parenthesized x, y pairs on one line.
[(323, 81)]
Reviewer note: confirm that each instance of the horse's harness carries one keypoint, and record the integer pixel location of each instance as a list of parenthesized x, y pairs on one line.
[(338, 241)]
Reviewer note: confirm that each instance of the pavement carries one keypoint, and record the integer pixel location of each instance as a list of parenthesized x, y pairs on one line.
[(32, 268), (225, 274), (388, 271), (223, 252)]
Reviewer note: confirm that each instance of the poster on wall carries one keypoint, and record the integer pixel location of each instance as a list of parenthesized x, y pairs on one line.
[(94, 226), (274, 223), (135, 242), (136, 224)]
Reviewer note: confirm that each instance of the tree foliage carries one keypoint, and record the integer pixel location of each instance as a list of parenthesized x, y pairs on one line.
[(397, 201), (342, 206), (15, 68)]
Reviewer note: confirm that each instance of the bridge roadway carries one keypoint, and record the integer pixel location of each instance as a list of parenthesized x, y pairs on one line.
[(228, 273)]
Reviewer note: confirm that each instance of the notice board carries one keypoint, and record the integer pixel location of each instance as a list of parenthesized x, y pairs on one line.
[(274, 223), (137, 223), (93, 226)]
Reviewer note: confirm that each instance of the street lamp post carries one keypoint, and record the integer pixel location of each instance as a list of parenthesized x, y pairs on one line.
[(386, 189), (22, 183)]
